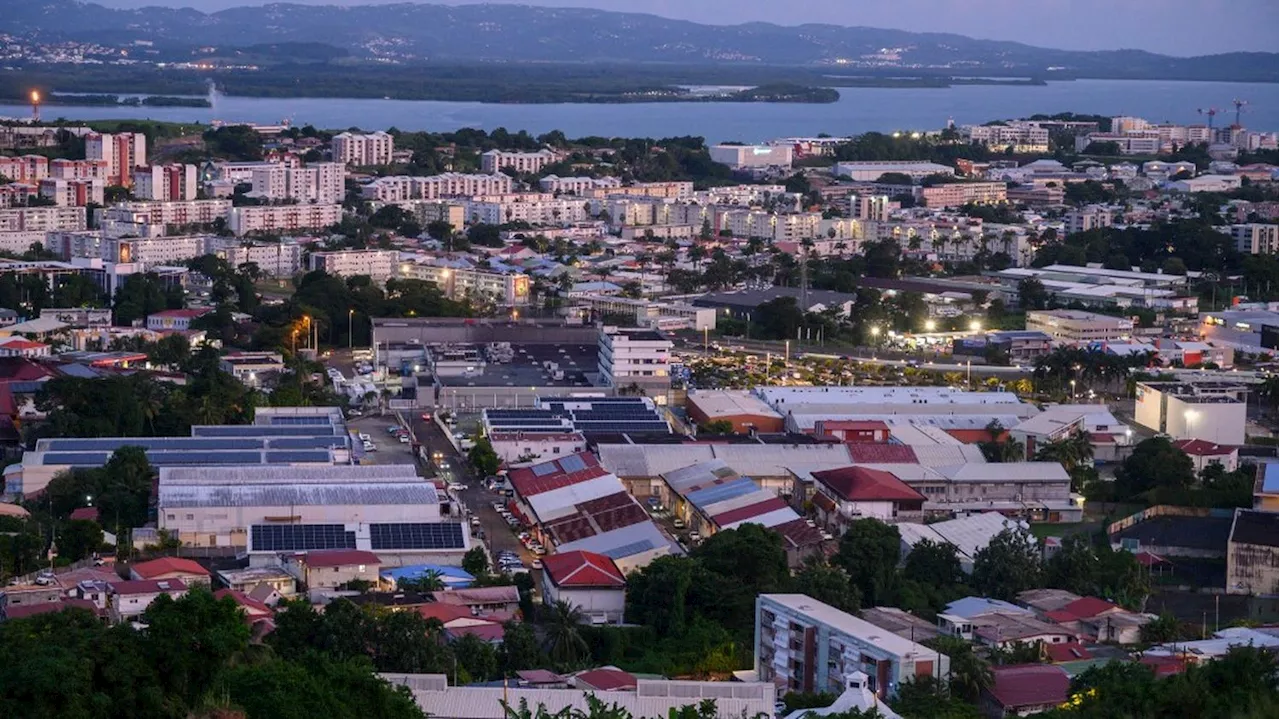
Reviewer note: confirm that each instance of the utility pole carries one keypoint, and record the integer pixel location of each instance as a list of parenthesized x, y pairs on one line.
[(350, 337)]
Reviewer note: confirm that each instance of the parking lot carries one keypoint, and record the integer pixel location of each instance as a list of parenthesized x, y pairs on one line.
[(388, 449)]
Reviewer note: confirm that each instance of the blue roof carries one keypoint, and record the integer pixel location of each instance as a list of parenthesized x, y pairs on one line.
[(451, 576), (1271, 478), (721, 492), (970, 607)]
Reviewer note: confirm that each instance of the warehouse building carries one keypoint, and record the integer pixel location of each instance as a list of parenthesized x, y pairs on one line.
[(740, 408), (1214, 411)]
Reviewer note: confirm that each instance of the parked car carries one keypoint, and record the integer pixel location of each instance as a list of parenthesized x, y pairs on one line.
[(364, 437), (370, 447), (404, 438), (457, 487)]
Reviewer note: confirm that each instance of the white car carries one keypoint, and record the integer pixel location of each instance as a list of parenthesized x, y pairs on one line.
[(457, 487), (404, 439), (364, 437)]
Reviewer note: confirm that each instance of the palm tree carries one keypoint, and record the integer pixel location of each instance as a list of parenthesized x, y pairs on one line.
[(1071, 452), (565, 644), (970, 673)]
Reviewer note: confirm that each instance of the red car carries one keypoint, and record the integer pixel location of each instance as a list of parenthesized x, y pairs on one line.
[(426, 417)]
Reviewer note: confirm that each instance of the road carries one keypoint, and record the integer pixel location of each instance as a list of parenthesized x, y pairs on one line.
[(867, 357)]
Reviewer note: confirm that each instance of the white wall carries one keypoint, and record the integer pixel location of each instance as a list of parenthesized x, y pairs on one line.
[(1222, 423), (606, 604)]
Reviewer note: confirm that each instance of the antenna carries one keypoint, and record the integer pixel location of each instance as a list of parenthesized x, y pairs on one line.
[(1210, 112)]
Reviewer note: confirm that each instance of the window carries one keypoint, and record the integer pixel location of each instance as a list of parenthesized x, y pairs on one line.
[(169, 517), (191, 516)]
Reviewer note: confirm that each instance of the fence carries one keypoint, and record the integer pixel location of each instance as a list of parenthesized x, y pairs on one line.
[(1166, 510)]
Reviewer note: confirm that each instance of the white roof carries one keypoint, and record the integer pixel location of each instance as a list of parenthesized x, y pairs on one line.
[(752, 460), (560, 502), (730, 402), (287, 474), (621, 543), (308, 494), (850, 625), (651, 698), (1005, 471), (968, 534), (782, 515), (782, 398)]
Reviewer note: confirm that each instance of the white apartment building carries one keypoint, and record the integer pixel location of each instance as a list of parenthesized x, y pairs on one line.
[(494, 161), (748, 195), (165, 183), (42, 219), (27, 169), (321, 183), (1130, 144), (955, 194), (122, 152), (434, 187), (1083, 219), (282, 218), (72, 193), (174, 212), (750, 156), (663, 190), (870, 207), (76, 169), (276, 259), (507, 290), (804, 645), (362, 150), (639, 357), (428, 211), (1255, 238), (1022, 138), (536, 209), (1124, 124), (1206, 183), (156, 250), (577, 185), (1079, 327), (377, 265), (870, 171)]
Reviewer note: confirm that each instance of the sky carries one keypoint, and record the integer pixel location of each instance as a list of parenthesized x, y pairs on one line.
[(1172, 27)]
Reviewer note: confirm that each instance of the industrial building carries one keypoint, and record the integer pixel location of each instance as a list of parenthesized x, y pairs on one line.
[(1243, 330), (1253, 554), (745, 411), (1213, 411), (585, 414)]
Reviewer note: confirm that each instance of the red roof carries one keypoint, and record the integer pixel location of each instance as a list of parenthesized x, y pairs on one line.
[(192, 313), (21, 369), (148, 586), (1023, 685), (1147, 559), (864, 484), (546, 476), (583, 569), (245, 601), (878, 453), (445, 613), (490, 632), (341, 558), (855, 425), (31, 610), (1087, 607), (168, 565), (1164, 666), (539, 676), (1067, 652), (975, 436), (1203, 448), (89, 514), (606, 680), (798, 533), (771, 504)]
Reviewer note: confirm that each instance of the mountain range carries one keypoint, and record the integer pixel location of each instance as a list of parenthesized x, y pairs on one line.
[(410, 32)]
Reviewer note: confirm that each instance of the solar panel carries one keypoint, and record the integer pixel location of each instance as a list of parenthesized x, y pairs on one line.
[(299, 537), (156, 443), (523, 422), (441, 535), (306, 442), (76, 459), (627, 550), (262, 430), (299, 456), (542, 470), (300, 420), (573, 463), (199, 458)]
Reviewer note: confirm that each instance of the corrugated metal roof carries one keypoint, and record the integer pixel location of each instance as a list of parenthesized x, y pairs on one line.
[(560, 502), (310, 494), (211, 475)]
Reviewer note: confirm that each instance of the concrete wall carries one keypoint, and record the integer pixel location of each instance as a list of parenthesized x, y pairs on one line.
[(1222, 423)]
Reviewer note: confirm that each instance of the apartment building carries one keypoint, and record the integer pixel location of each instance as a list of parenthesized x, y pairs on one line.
[(874, 208), (122, 152), (507, 290), (174, 212), (157, 250), (27, 169), (276, 259), (741, 157), (165, 183), (535, 208), (955, 194), (1147, 143), (658, 315), (635, 357), (577, 185), (434, 187), (1021, 137), (428, 211), (17, 194), (72, 193), (803, 645), (1083, 219), (42, 219), (870, 171), (1255, 238), (1125, 124), (378, 265), (282, 218), (76, 169), (495, 161), (321, 183), (1212, 411), (660, 190), (362, 150), (1079, 327)]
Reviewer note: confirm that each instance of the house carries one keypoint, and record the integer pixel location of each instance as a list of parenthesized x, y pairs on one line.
[(1001, 630), (129, 599), (186, 570), (852, 493), (174, 320), (450, 577), (31, 610), (459, 621), (857, 696), (84, 514), (247, 580), (333, 568), (1203, 650), (254, 610), (1067, 652), (1204, 453), (589, 581), (969, 535), (1023, 689), (604, 679), (961, 618), (483, 600), (1097, 620), (22, 347)]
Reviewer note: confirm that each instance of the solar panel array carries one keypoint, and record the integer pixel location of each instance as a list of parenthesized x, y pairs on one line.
[(262, 430), (283, 420), (426, 535), (299, 537), (157, 443), (573, 463), (596, 414)]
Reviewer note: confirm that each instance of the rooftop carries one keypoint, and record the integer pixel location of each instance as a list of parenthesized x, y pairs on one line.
[(1027, 685), (730, 403), (168, 565), (341, 558), (857, 484), (849, 624), (1256, 528), (583, 569)]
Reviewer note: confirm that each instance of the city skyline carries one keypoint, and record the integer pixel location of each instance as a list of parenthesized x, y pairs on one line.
[(1158, 26)]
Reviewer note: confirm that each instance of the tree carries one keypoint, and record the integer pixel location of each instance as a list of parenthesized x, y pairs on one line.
[(869, 552), (1154, 463), (970, 674), (475, 562), (828, 584), (477, 657), (192, 638), (1009, 564), (1074, 567), (79, 539), (519, 649), (1071, 452), (564, 641), (717, 426), (430, 580), (1032, 295), (744, 562), (933, 562), (483, 457)]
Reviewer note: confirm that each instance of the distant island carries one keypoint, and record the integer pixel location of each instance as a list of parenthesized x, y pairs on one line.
[(116, 100)]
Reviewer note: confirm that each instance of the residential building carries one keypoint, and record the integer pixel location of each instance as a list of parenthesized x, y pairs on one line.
[(275, 259), (803, 645), (1078, 327), (741, 157), (175, 212), (955, 194), (251, 368), (635, 357), (740, 408), (577, 185), (1206, 183), (41, 219), (73, 169), (362, 150), (174, 320), (1255, 238), (186, 570), (645, 313), (320, 183), (1266, 487), (873, 208), (850, 494), (24, 169), (72, 193), (1023, 689), (1213, 411), (495, 161), (1253, 557), (149, 251), (127, 600), (1083, 219), (534, 208), (22, 347), (377, 265), (403, 188), (521, 447), (334, 568), (249, 579), (122, 152), (165, 183), (17, 195), (506, 289), (1021, 137), (589, 581), (662, 190), (1204, 453), (428, 211), (1139, 144), (282, 218), (870, 171), (969, 535)]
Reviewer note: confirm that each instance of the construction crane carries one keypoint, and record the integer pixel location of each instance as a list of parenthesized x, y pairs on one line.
[(1239, 108), (1211, 112)]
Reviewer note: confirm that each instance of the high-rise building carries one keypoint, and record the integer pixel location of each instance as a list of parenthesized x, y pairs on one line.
[(362, 150), (636, 357), (122, 152), (165, 182), (72, 193), (497, 160), (870, 207)]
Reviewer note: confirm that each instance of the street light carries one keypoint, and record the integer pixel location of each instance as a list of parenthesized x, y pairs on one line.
[(975, 326), (1073, 390), (350, 338), (930, 325)]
